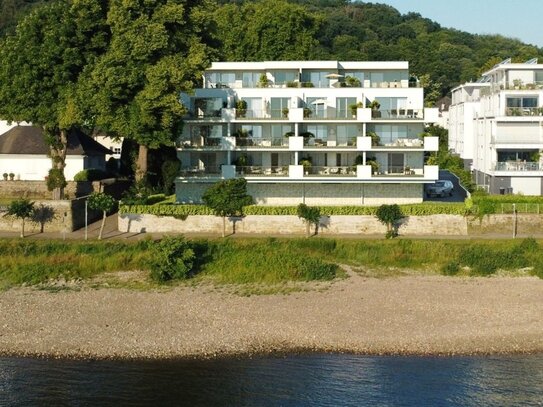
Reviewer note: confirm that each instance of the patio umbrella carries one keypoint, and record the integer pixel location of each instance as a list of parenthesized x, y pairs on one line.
[(334, 76), (319, 102)]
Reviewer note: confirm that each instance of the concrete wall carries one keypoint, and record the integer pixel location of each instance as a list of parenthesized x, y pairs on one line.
[(279, 225), (291, 194), (68, 216)]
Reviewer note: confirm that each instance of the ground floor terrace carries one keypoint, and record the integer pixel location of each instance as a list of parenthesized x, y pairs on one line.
[(314, 193)]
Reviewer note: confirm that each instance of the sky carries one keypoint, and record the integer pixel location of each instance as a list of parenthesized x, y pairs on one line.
[(520, 19)]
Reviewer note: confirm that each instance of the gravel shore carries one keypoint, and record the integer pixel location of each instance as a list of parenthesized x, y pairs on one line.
[(399, 315)]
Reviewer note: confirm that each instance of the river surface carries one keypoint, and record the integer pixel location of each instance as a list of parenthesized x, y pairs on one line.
[(304, 380)]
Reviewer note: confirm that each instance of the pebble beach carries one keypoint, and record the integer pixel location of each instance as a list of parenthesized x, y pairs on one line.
[(419, 315)]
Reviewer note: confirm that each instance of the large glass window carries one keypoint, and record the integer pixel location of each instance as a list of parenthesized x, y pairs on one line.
[(392, 107), (346, 134), (354, 74), (277, 106), (208, 107), (318, 107), (221, 79), (254, 107), (343, 107), (527, 101), (317, 78), (538, 76), (251, 79), (252, 131), (282, 77), (319, 131)]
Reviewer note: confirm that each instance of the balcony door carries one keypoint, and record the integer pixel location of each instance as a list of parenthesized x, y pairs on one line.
[(396, 163)]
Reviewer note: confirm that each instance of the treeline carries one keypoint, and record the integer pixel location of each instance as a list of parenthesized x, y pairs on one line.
[(344, 30)]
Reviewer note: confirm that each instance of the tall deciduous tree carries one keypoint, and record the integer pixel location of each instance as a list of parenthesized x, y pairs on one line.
[(40, 66), (157, 50)]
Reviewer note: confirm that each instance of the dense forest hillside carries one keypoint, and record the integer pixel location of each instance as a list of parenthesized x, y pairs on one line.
[(339, 29)]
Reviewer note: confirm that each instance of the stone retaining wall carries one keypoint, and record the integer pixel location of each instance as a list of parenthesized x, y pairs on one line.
[(67, 216), (288, 224)]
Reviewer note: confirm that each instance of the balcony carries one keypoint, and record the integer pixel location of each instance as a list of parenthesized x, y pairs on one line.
[(330, 171), (262, 142), (322, 143), (201, 172), (254, 114), (262, 171), (524, 111), (202, 142), (518, 166), (398, 114)]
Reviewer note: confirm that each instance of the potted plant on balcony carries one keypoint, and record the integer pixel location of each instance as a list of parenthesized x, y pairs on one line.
[(307, 112), (375, 106), (241, 108), (5, 175), (354, 107), (352, 82), (242, 162), (263, 81), (306, 162), (374, 164), (284, 112), (11, 176), (375, 139), (289, 134)]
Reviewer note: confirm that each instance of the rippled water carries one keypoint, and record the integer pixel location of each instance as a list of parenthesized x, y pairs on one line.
[(308, 380)]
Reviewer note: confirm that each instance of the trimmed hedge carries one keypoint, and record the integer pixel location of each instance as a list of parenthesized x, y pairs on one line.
[(423, 209)]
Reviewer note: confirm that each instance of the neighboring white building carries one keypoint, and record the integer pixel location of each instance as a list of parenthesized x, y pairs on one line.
[(496, 125), (24, 153), (317, 111)]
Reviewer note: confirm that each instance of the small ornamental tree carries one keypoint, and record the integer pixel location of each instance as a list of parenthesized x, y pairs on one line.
[(310, 215), (390, 215), (227, 198), (101, 202), (20, 209)]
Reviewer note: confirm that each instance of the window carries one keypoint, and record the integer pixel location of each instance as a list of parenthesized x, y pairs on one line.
[(219, 79), (282, 77), (319, 131), (343, 107), (346, 135), (251, 79), (277, 106), (318, 106), (392, 107), (522, 101), (252, 130), (317, 78)]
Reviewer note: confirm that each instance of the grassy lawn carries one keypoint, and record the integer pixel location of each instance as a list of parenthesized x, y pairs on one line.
[(267, 262)]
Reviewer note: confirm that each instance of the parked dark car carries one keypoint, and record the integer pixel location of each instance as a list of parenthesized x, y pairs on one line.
[(440, 188)]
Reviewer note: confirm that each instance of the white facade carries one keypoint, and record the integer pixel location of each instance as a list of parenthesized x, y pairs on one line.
[(497, 124), (264, 120)]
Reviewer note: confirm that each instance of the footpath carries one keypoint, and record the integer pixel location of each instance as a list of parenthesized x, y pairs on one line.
[(111, 232)]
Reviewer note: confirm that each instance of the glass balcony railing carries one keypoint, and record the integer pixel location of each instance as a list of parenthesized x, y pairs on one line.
[(338, 171), (211, 170), (398, 114), (524, 111), (338, 142), (200, 142), (264, 142), (517, 166), (259, 171)]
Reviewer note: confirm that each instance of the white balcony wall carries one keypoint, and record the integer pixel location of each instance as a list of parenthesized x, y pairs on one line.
[(431, 115), (363, 171), (295, 143), (363, 143), (296, 171), (228, 115), (363, 114), (431, 143), (296, 114), (431, 172)]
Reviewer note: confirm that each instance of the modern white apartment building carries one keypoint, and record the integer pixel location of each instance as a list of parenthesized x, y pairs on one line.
[(303, 131), (496, 125)]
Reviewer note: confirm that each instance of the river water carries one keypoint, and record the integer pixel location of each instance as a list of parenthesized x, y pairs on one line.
[(297, 380)]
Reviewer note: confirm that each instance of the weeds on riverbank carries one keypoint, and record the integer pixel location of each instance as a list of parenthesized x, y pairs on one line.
[(267, 261)]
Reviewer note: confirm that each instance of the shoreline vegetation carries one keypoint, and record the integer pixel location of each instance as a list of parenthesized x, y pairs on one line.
[(247, 297)]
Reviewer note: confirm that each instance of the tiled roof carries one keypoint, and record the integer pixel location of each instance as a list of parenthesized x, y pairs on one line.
[(30, 140)]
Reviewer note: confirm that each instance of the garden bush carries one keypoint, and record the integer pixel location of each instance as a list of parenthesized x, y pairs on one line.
[(90, 174), (173, 259)]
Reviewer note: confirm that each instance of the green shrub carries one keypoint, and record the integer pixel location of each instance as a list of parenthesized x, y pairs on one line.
[(451, 268), (90, 174), (173, 259), (155, 198)]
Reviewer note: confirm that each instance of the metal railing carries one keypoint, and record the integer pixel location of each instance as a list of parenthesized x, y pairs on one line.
[(398, 170), (323, 143), (402, 142), (203, 142)]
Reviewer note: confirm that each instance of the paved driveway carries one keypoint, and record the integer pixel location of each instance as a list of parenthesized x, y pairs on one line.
[(458, 193)]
